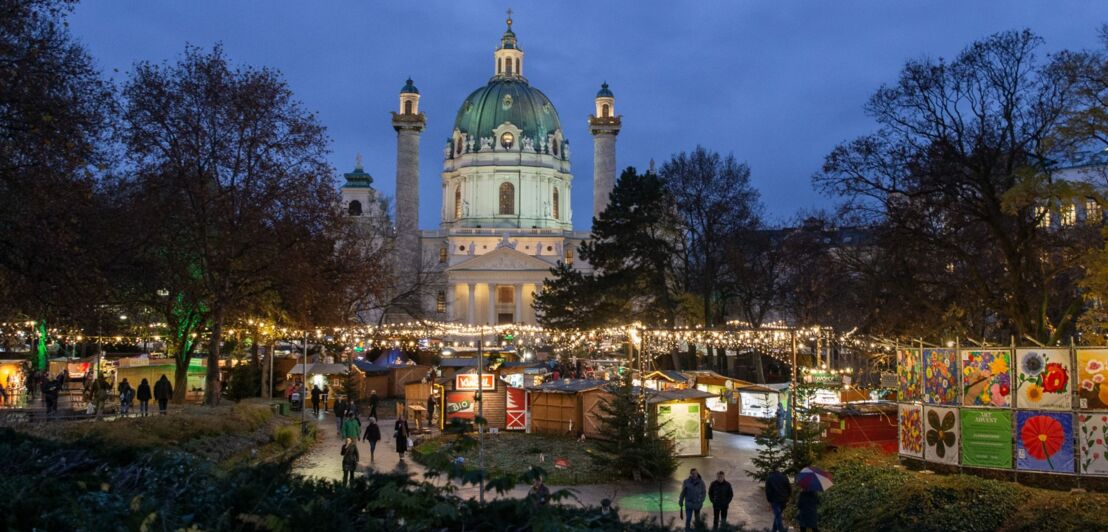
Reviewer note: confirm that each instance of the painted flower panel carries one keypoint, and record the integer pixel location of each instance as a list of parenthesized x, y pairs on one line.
[(1044, 441), (941, 434), (1043, 379), (987, 378), (940, 374), (1092, 371), (1093, 427), (908, 369), (910, 430)]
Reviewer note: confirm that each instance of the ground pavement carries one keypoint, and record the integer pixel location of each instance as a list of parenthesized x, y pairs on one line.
[(730, 453)]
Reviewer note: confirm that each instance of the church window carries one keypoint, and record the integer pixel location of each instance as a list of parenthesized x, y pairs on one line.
[(505, 295), (457, 202), (509, 65), (507, 198), (458, 146), (518, 71), (605, 110), (499, 65), (506, 140), (569, 256), (1092, 211), (554, 146), (554, 204), (355, 208), (442, 254), (407, 107), (440, 302)]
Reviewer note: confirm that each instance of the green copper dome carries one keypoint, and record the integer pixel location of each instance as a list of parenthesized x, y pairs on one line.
[(507, 99), (409, 88), (605, 92)]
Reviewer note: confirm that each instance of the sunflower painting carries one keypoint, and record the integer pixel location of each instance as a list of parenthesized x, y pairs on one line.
[(910, 423), (1092, 371), (1043, 379), (941, 434), (1044, 441), (940, 376), (987, 378)]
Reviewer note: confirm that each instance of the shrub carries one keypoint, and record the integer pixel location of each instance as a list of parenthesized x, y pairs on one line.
[(286, 436)]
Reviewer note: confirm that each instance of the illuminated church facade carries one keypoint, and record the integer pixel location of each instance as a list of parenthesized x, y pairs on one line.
[(506, 217)]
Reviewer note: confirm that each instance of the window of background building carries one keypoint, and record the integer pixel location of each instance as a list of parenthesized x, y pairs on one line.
[(1093, 213), (440, 302), (554, 201), (1069, 214), (355, 208), (457, 202), (507, 198), (442, 254), (569, 256), (505, 295)]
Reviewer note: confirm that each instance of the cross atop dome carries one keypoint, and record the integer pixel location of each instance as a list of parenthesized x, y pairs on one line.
[(509, 19)]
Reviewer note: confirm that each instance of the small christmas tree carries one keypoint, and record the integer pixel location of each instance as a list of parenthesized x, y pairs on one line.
[(774, 454), (630, 444)]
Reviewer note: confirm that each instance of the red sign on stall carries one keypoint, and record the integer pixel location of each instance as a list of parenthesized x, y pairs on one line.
[(468, 381), (516, 411)]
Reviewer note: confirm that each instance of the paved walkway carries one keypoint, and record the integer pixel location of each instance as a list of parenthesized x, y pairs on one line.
[(731, 453)]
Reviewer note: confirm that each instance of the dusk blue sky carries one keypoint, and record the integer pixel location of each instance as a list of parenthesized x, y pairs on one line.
[(776, 83)]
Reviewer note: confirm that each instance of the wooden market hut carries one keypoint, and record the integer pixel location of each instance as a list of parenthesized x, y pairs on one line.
[(685, 413), (387, 380), (460, 397), (558, 407), (757, 408), (667, 379), (862, 424)]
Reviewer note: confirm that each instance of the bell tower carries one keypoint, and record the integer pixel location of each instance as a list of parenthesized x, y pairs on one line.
[(408, 123)]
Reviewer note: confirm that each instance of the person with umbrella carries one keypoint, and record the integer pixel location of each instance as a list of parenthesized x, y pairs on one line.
[(811, 481)]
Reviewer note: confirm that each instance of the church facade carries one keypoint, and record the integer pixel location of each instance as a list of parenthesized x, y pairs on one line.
[(506, 217)]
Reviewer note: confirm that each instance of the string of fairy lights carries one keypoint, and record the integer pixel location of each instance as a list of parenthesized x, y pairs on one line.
[(773, 340)]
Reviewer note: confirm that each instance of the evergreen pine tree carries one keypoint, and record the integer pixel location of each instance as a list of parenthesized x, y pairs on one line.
[(630, 444), (774, 454)]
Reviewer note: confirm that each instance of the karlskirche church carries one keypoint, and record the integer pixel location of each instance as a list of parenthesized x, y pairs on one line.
[(506, 179)]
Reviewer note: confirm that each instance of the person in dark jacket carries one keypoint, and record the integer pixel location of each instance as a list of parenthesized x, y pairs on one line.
[(720, 494), (807, 511), (777, 493), (126, 397), (163, 391), (143, 395), (431, 411), (340, 414), (372, 435), (539, 494), (692, 498), (316, 392), (349, 461), (373, 400), (401, 434)]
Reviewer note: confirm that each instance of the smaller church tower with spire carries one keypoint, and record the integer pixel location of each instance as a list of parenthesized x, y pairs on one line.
[(604, 126)]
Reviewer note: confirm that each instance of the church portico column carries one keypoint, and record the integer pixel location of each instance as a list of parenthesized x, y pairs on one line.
[(492, 304), (471, 308), (519, 302), (451, 292)]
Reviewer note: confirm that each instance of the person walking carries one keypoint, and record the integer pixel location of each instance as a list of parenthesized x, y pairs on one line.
[(143, 395), (720, 494), (692, 498), (340, 415), (807, 511), (777, 493), (372, 435), (401, 434), (100, 391), (373, 401), (539, 495), (352, 427), (323, 397), (316, 392), (163, 391), (349, 461), (126, 397)]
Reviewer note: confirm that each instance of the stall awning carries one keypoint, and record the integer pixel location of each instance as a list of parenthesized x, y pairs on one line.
[(318, 369)]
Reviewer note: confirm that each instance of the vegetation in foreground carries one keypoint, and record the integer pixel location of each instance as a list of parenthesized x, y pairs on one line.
[(517, 453), (871, 494)]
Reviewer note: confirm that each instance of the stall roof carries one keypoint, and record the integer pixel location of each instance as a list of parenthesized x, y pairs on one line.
[(366, 366), (755, 388), (677, 395), (571, 385), (864, 408), (669, 375), (468, 362), (319, 369)]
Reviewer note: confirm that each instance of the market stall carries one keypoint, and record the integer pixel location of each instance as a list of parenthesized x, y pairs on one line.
[(861, 424), (682, 414), (666, 379), (557, 408)]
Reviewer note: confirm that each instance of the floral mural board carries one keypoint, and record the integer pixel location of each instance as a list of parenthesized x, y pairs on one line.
[(941, 434), (1093, 428), (986, 437), (987, 377), (940, 376), (910, 423), (1092, 372), (1043, 378), (1044, 441), (909, 368)]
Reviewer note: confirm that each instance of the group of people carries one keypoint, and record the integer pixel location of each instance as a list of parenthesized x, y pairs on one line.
[(162, 392), (693, 492), (350, 430), (778, 491)]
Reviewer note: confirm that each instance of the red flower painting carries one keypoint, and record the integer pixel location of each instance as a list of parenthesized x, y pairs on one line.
[(1055, 378), (1042, 436)]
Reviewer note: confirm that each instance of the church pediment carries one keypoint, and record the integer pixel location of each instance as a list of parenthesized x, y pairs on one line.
[(502, 259)]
